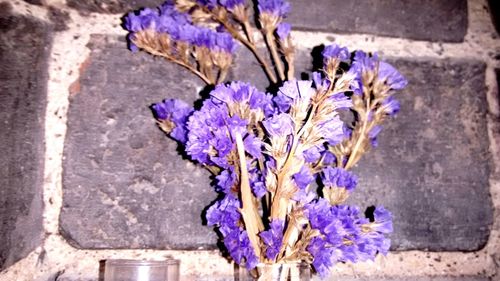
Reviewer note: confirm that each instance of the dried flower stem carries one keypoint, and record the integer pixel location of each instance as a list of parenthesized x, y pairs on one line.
[(248, 31), (290, 57), (292, 233), (253, 49), (251, 217), (274, 54), (222, 76), (279, 206), (354, 156), (154, 52), (250, 45)]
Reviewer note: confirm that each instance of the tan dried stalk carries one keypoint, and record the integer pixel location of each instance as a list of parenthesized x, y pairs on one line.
[(251, 217), (274, 54), (147, 47), (250, 45)]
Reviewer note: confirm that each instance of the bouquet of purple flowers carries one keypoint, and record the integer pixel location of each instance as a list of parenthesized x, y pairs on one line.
[(280, 160)]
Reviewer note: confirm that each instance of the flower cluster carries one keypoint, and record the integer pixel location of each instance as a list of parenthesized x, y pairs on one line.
[(167, 32), (345, 236), (280, 160)]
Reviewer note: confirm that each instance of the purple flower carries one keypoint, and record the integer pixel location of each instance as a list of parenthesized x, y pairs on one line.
[(179, 26), (373, 133), (273, 238), (313, 154), (391, 106), (383, 220), (239, 247), (303, 178), (253, 146), (141, 20), (230, 4), (335, 52), (297, 89), (224, 42), (176, 111), (277, 8), (341, 101), (332, 130), (323, 256), (364, 62), (391, 76), (283, 103), (319, 82), (338, 178), (280, 125), (208, 127), (283, 30), (386, 72), (209, 3), (329, 158), (225, 181), (168, 9), (225, 214), (257, 183), (243, 93)]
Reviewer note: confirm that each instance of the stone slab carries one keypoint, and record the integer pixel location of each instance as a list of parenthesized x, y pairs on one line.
[(111, 6), (432, 166), (125, 185), (431, 169), (432, 20), (24, 41), (407, 278), (494, 7)]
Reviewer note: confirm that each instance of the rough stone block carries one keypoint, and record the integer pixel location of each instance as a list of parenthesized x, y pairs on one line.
[(24, 46), (125, 184), (407, 278), (495, 13), (432, 166), (111, 6), (433, 20)]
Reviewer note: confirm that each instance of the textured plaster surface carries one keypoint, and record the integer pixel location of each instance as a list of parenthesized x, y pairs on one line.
[(58, 259)]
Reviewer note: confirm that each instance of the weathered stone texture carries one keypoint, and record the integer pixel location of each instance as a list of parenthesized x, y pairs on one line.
[(432, 167), (112, 6), (125, 184), (406, 278), (432, 20), (24, 46), (495, 13)]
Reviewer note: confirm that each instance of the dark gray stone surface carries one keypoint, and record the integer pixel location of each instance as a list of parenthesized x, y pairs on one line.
[(495, 13), (125, 185), (432, 167), (35, 2), (24, 46), (432, 20), (406, 278), (111, 6)]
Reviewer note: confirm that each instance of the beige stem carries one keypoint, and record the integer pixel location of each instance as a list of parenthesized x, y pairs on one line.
[(179, 62), (251, 217), (274, 54)]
